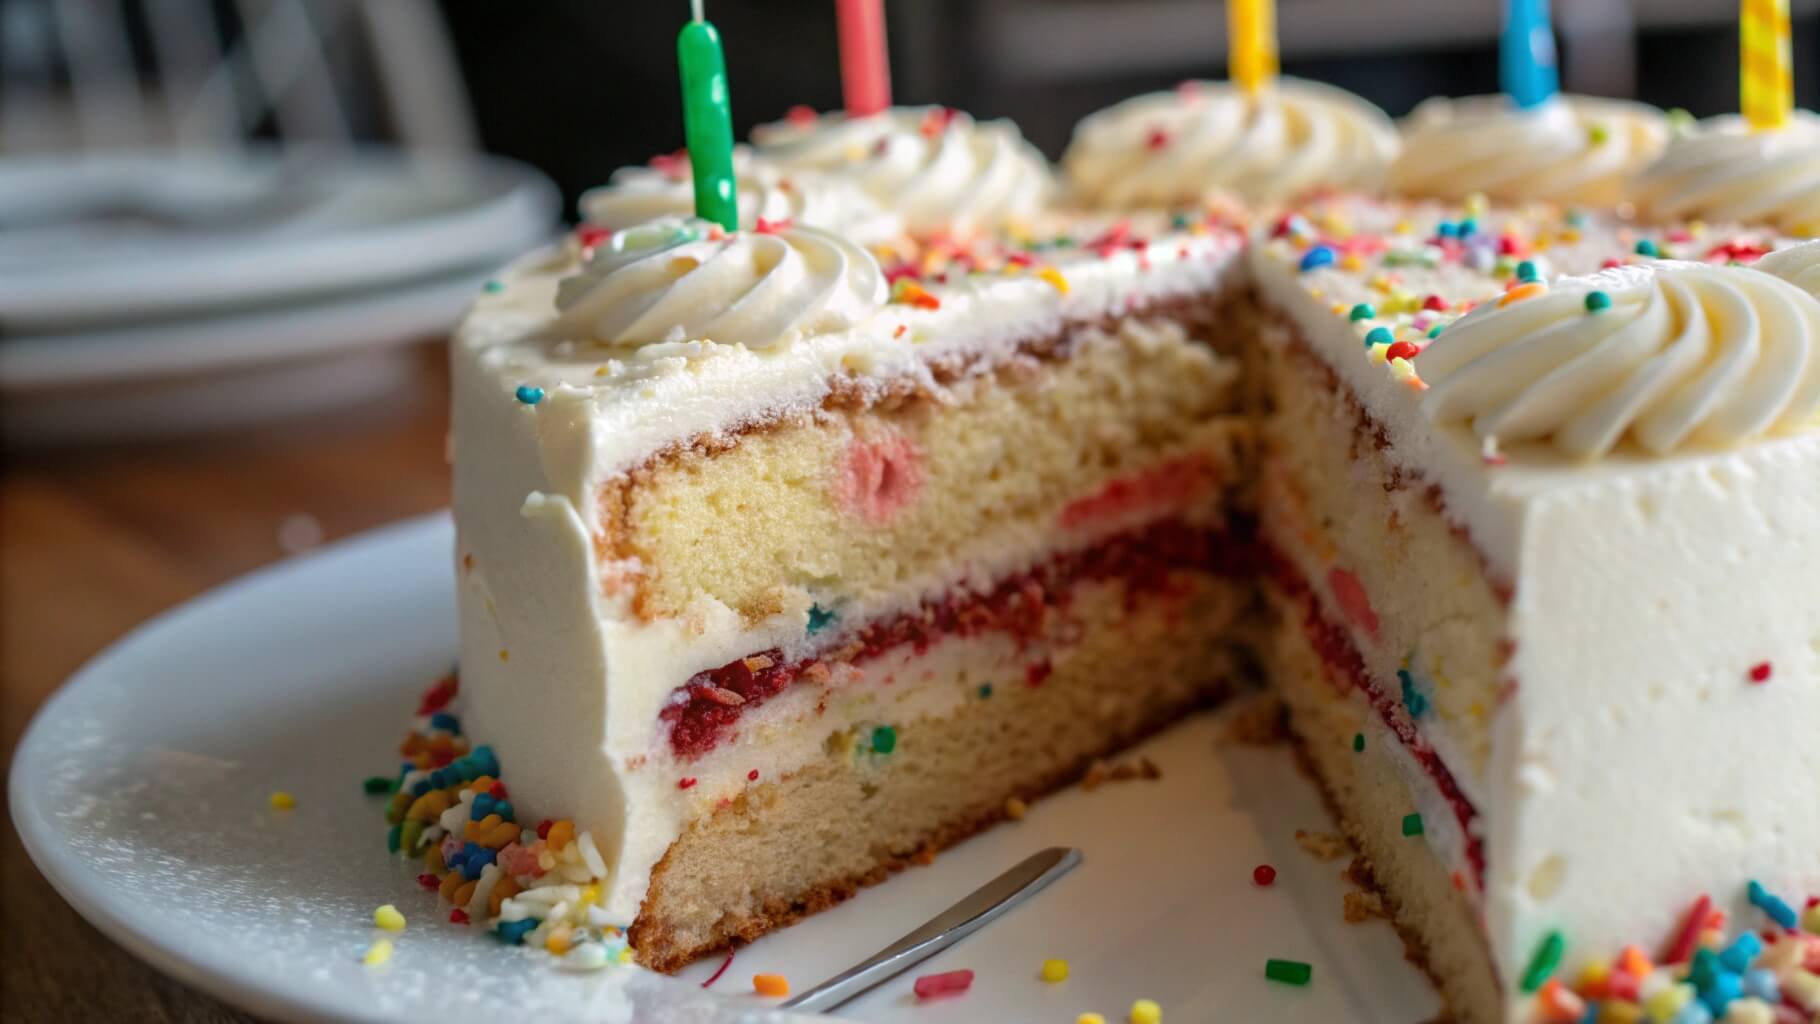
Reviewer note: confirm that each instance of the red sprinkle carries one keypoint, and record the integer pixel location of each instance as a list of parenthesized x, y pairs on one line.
[(1759, 673), (1435, 303), (429, 881), (499, 791), (438, 696), (752, 776), (458, 916), (949, 983), (718, 971), (1683, 946), (686, 782), (1608, 264), (901, 328), (1264, 874), (543, 828), (800, 114), (1402, 350), (771, 227), (591, 235), (1157, 138)]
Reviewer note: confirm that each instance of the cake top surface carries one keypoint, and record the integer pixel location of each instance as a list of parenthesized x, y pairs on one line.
[(1570, 150), (1720, 169), (1202, 138), (676, 328), (937, 167)]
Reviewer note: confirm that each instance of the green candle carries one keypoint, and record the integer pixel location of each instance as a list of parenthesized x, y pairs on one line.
[(708, 121)]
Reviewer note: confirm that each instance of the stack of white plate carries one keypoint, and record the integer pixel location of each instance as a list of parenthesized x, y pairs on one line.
[(159, 293)]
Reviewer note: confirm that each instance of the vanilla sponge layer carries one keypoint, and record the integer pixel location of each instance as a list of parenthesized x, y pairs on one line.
[(783, 848), (1113, 424)]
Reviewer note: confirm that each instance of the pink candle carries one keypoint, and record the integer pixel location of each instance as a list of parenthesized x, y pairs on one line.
[(865, 71)]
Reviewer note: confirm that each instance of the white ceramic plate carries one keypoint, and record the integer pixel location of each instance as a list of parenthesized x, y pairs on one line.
[(110, 239), (142, 792)]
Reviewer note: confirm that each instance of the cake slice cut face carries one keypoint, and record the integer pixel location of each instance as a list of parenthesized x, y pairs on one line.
[(1548, 583), (776, 576)]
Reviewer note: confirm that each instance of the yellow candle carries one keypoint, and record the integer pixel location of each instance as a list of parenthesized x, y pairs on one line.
[(1252, 56), (1766, 79)]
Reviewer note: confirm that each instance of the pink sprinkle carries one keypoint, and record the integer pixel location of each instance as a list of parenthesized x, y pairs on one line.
[(1350, 593), (1759, 673), (879, 479), (718, 971), (950, 983)]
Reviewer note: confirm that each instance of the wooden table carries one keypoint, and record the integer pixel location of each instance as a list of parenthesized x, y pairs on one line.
[(95, 542)]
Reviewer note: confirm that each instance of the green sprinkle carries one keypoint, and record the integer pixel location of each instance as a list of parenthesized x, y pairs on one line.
[(819, 618), (1180, 221), (376, 784), (410, 836), (1647, 248), (884, 740), (1598, 134), (1679, 119), (1596, 301), (1576, 218), (1469, 226), (394, 838), (1362, 311), (1435, 331), (1544, 962), (1358, 742), (1379, 336), (1414, 699), (1412, 824), (985, 691), (1289, 972), (493, 287), (1526, 271)]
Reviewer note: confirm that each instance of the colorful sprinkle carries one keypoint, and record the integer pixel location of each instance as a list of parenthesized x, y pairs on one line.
[(1015, 809), (1055, 970), (1543, 962), (283, 801), (884, 740), (1289, 972), (946, 983), (1145, 1011), (1358, 743), (1090, 1018), (1648, 249), (1319, 256), (1759, 673), (1379, 336), (378, 953), (493, 287), (529, 394), (1596, 301), (819, 619), (1362, 311), (1526, 271), (771, 986), (388, 918), (1412, 824), (1054, 279), (1522, 292), (1263, 874), (1771, 904)]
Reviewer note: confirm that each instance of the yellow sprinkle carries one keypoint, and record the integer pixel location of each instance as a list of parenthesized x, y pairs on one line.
[(590, 894), (1146, 1011), (1015, 808), (1090, 1018), (1351, 261), (1696, 228), (1595, 971), (1054, 278), (1404, 227), (389, 918), (558, 942), (283, 801), (1664, 1004), (1521, 292), (1055, 970), (1477, 204), (378, 953), (1378, 354), (1620, 1011), (1570, 235), (505, 655)]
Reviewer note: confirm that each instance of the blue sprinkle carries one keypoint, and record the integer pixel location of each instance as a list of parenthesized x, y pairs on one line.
[(444, 720), (530, 394), (1413, 699), (493, 287), (1319, 256), (440, 779), (1762, 984), (1771, 904), (1526, 271), (1695, 1012), (483, 758), (1738, 956), (1719, 995), (513, 933), (1447, 229), (819, 618), (504, 809), (1468, 226), (481, 807), (465, 769), (421, 786), (1379, 336), (1648, 249)]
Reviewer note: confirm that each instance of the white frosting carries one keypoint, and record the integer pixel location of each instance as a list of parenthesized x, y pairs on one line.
[(1723, 170), (674, 280), (940, 169), (636, 195), (572, 708), (1797, 264), (1646, 587), (1572, 149), (1182, 146), (1687, 355)]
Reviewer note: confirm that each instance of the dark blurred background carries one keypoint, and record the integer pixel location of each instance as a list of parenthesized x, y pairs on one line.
[(579, 88)]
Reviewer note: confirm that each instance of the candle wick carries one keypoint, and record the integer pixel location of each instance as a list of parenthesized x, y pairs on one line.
[(695, 5)]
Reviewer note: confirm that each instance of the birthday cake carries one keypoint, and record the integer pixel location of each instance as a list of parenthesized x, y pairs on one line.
[(795, 547)]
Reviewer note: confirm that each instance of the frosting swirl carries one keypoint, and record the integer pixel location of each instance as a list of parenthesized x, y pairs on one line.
[(639, 194), (1179, 147), (1684, 355), (674, 279), (1722, 170), (1572, 149), (939, 168), (1797, 264)]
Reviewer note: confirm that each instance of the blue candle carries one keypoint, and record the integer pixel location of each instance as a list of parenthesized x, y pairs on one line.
[(1526, 53)]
